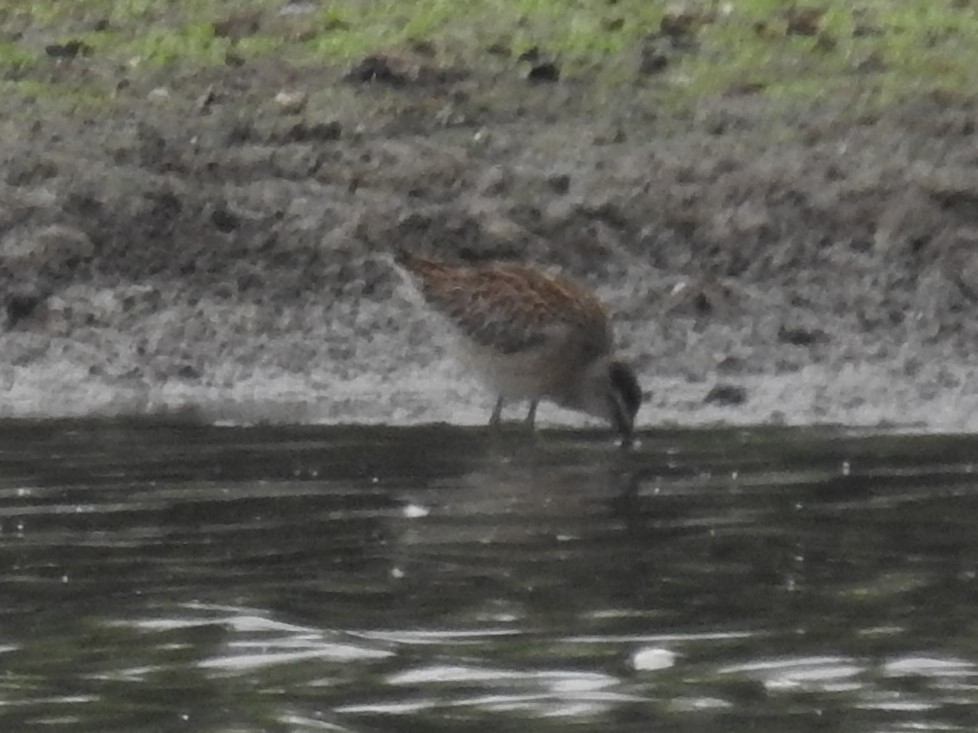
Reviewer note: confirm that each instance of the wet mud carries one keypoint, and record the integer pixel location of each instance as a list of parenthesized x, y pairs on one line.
[(210, 244)]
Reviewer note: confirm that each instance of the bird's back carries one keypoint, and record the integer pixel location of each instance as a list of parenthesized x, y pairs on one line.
[(512, 309)]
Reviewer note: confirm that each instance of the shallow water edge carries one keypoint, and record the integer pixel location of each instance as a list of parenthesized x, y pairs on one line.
[(161, 575)]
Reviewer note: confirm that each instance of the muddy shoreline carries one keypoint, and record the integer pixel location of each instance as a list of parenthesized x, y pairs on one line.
[(191, 250)]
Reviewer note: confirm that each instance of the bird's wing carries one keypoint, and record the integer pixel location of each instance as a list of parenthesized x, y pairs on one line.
[(514, 309)]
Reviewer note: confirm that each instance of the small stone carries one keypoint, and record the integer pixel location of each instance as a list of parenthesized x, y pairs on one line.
[(319, 132), (797, 336), (188, 372), (731, 365), (704, 297), (68, 49), (23, 302), (726, 395), (559, 183), (546, 71), (401, 68), (482, 137), (379, 68), (224, 220), (291, 103)]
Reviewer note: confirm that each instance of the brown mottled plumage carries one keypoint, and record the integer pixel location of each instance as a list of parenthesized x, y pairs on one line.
[(531, 336)]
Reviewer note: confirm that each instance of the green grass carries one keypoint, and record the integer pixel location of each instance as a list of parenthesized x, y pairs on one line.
[(916, 45), (15, 56), (906, 46)]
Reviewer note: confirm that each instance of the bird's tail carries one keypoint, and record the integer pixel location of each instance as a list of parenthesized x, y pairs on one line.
[(417, 264), (403, 256), (377, 237)]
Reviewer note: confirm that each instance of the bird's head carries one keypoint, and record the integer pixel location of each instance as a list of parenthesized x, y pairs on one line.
[(610, 390)]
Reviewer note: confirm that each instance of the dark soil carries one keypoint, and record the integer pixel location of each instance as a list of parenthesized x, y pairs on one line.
[(200, 244)]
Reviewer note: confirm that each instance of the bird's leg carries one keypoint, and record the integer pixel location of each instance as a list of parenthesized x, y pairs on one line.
[(531, 416), (497, 414)]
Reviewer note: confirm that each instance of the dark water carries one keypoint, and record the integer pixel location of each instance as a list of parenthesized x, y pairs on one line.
[(164, 577)]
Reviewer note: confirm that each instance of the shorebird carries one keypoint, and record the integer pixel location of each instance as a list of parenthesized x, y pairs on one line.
[(531, 336)]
